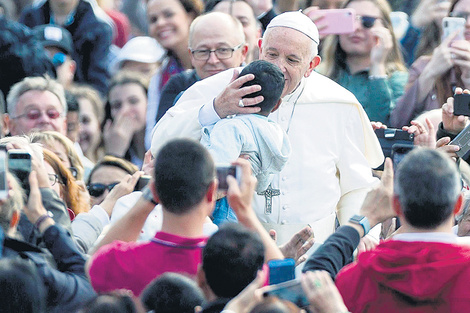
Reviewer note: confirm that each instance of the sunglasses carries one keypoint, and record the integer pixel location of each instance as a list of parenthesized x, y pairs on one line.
[(367, 21), (58, 59), (98, 189), (34, 114)]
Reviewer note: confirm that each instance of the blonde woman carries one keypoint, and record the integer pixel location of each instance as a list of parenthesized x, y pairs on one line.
[(367, 61)]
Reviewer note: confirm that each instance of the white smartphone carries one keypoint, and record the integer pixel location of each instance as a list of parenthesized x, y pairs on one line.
[(335, 21), (3, 175), (451, 25)]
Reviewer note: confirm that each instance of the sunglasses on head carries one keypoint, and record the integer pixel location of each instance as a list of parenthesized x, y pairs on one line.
[(98, 189), (34, 114), (367, 21)]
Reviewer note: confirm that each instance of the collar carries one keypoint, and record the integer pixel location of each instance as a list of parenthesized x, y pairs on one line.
[(427, 237), (293, 96)]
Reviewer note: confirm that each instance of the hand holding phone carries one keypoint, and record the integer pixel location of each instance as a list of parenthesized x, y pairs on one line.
[(333, 21), (223, 170)]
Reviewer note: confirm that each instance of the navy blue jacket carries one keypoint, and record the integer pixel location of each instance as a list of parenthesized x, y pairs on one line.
[(91, 36)]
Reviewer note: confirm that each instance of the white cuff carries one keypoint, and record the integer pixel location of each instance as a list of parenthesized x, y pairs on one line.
[(98, 212), (207, 115)]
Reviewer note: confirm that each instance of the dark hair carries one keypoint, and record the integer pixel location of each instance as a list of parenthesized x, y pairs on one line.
[(193, 6), (72, 103), (427, 185), (113, 302), (21, 287), (271, 80), (231, 259), (110, 160), (184, 171), (172, 292)]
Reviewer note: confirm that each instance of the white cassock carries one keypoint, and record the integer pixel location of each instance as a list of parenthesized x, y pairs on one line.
[(333, 151)]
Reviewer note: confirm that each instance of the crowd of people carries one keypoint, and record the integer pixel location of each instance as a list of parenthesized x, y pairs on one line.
[(124, 112)]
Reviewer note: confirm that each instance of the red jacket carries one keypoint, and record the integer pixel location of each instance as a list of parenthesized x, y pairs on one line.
[(403, 277)]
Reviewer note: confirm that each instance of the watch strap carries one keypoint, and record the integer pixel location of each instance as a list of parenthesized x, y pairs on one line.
[(361, 220)]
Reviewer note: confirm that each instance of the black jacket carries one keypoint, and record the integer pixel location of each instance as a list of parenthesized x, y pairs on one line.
[(21, 55), (171, 92), (67, 286), (91, 36)]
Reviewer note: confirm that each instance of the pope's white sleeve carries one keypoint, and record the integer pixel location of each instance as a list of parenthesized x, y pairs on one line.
[(355, 173)]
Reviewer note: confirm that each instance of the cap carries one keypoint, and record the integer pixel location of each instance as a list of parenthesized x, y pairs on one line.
[(140, 49), (54, 36), (298, 21)]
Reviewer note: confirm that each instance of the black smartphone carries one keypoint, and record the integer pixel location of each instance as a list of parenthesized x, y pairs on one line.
[(390, 137), (19, 164), (399, 152), (223, 170), (463, 141), (462, 104), (290, 290), (142, 182)]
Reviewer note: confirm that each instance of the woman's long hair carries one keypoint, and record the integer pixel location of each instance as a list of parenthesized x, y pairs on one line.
[(334, 57)]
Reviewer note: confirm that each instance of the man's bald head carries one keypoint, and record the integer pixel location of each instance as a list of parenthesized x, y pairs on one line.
[(216, 43)]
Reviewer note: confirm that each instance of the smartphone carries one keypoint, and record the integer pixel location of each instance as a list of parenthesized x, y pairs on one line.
[(290, 290), (450, 25), (19, 164), (462, 104), (390, 137), (142, 182), (281, 271), (463, 141), (3, 175), (335, 21), (223, 170), (399, 151)]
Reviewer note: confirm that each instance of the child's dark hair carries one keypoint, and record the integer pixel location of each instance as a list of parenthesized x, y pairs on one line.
[(271, 80)]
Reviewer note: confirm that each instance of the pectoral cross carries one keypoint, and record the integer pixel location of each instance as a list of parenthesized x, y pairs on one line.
[(269, 194)]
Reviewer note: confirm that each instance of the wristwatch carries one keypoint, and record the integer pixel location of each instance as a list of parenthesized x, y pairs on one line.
[(361, 220), (148, 195)]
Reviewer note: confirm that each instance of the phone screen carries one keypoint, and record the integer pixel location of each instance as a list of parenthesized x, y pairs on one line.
[(398, 154), (222, 172), (19, 164), (291, 291), (3, 175)]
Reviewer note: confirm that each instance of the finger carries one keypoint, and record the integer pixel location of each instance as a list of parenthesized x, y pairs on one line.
[(135, 177), (234, 75), (301, 260), (237, 83), (387, 175), (458, 90), (430, 126), (33, 182), (467, 91), (273, 234), (148, 157), (442, 142)]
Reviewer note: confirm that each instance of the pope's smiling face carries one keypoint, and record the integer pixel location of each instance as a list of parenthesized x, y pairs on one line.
[(291, 51)]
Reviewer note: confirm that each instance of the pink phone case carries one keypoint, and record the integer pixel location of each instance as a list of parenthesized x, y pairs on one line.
[(336, 21)]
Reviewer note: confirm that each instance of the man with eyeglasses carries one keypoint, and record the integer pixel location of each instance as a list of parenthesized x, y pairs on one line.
[(216, 43), (333, 144), (36, 104)]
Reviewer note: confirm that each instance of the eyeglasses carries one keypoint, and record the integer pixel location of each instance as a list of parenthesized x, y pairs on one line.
[(460, 14), (367, 21), (221, 53), (34, 114), (53, 179), (98, 189), (58, 59)]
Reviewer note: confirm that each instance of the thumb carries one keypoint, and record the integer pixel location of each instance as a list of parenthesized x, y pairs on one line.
[(273, 234)]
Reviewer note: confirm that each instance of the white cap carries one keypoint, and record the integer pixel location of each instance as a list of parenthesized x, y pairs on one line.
[(140, 49), (298, 21)]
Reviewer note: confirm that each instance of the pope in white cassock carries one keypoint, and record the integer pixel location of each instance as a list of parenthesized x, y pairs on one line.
[(333, 144)]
